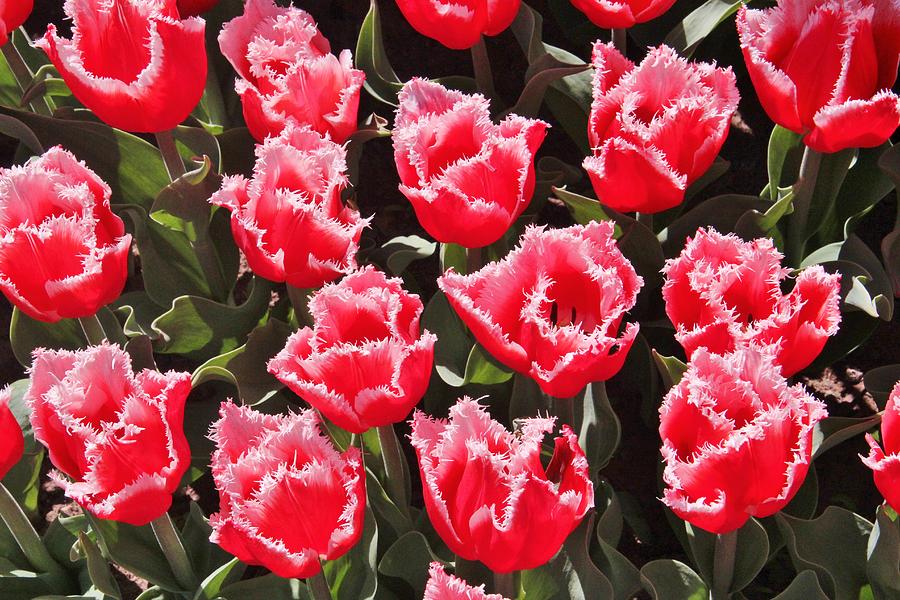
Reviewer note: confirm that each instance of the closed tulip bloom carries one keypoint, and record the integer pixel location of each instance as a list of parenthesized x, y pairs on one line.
[(468, 179), (885, 462), (552, 307), (722, 292), (737, 440), (824, 68), (12, 442), (441, 586), (134, 63), (287, 497), (459, 24), (192, 8), (63, 253), (287, 72), (289, 220), (365, 363), (656, 127), (613, 14), (117, 435), (487, 493), (13, 13)]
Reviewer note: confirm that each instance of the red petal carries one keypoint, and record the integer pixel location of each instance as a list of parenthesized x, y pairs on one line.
[(855, 123), (457, 24)]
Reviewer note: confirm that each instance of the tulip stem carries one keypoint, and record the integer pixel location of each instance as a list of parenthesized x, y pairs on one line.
[(24, 76), (93, 330), (169, 151), (505, 584), (803, 195), (394, 472), (170, 542), (318, 587), (564, 409), (481, 63), (473, 260), (25, 535), (619, 39), (723, 564)]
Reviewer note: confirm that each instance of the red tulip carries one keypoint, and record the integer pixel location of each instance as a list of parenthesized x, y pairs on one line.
[(467, 178), (132, 62), (552, 307), (12, 442), (886, 463), (192, 8), (287, 498), (654, 128), (722, 292), (621, 14), (63, 253), (289, 220), (13, 13), (118, 436), (459, 24), (365, 363), (447, 587), (736, 439), (287, 72), (824, 68)]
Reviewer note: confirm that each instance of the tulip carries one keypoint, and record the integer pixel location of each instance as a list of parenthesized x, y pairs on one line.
[(467, 178), (12, 442), (63, 253), (487, 493), (289, 220), (13, 14), (287, 72), (722, 292), (552, 307), (132, 62), (459, 24), (737, 440), (612, 14), (441, 586), (824, 68), (886, 463), (287, 498), (654, 128), (118, 436), (192, 8), (365, 363)]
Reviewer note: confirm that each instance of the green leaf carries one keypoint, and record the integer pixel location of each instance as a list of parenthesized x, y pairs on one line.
[(98, 569), (785, 154), (831, 177), (609, 513), (408, 559), (600, 430), (453, 255), (831, 431), (23, 479), (751, 553), (381, 80), (267, 587), (883, 556), (720, 212), (226, 574), (804, 587), (27, 334), (880, 381), (204, 556), (453, 346), (622, 575), (833, 546), (866, 185), (583, 209), (14, 128), (688, 34), (670, 368), (135, 549), (405, 249), (482, 368), (353, 575), (541, 74), (672, 580)]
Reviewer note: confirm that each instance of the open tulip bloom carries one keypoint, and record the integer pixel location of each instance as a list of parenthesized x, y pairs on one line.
[(737, 441), (288, 498), (487, 493), (135, 63), (287, 72), (365, 363), (824, 68), (117, 436), (722, 292), (885, 462), (63, 253), (553, 306), (655, 127), (468, 179)]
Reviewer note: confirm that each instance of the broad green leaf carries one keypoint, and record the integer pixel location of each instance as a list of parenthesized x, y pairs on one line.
[(408, 559), (688, 34), (482, 368), (805, 586), (883, 556), (225, 575), (880, 381), (98, 569), (672, 580), (353, 576), (204, 556), (719, 212), (453, 255), (785, 153), (831, 431), (451, 351), (403, 250), (27, 334), (136, 549), (267, 587), (751, 552), (381, 80), (671, 369), (599, 431)]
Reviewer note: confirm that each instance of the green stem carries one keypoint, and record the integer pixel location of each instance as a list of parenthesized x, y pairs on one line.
[(723, 564), (169, 151), (619, 39), (392, 455), (481, 64), (172, 547), (24, 76), (803, 195), (25, 535), (318, 587), (564, 409), (473, 260), (505, 584), (93, 330)]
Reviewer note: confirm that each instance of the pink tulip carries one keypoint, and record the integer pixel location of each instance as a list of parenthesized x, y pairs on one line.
[(447, 587)]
